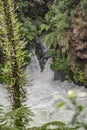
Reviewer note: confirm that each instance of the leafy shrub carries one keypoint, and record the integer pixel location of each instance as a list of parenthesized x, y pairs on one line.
[(15, 119)]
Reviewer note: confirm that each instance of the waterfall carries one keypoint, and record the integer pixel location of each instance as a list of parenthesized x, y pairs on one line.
[(44, 94), (35, 72), (41, 50), (33, 69)]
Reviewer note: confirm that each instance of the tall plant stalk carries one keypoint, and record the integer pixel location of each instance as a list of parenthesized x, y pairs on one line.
[(13, 49)]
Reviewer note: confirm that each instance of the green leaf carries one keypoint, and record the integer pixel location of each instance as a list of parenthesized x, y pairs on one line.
[(80, 108), (50, 38), (44, 27), (61, 104)]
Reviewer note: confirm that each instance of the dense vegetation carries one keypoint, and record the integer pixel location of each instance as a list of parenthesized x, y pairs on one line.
[(66, 25), (63, 26), (13, 48)]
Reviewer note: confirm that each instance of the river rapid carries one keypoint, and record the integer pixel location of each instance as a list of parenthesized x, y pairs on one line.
[(44, 94)]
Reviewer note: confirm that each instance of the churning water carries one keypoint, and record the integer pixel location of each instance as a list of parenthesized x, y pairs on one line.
[(44, 94)]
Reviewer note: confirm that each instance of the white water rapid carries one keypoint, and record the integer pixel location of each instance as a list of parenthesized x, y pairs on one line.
[(44, 94)]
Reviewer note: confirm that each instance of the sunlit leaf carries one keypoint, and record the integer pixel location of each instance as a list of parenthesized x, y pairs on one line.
[(61, 104)]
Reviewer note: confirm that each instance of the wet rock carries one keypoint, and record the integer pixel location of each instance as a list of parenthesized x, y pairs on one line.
[(59, 75)]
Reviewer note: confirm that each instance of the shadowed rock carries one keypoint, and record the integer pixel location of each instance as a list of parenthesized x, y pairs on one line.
[(59, 75)]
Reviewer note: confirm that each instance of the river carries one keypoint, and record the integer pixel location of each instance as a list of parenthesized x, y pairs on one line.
[(44, 94)]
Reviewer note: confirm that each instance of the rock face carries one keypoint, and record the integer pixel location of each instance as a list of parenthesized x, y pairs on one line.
[(59, 75), (79, 42), (41, 51), (78, 47)]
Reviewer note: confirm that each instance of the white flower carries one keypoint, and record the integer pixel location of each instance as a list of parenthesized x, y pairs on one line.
[(71, 93)]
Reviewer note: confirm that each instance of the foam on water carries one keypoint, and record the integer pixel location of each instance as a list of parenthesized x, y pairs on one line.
[(44, 94)]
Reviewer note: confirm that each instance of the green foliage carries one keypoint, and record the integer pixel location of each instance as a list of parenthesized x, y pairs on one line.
[(13, 70), (13, 48), (61, 104), (44, 27), (78, 75), (23, 5), (58, 16), (80, 108), (27, 29), (84, 6), (60, 64), (51, 39), (19, 118), (2, 77), (12, 120), (57, 25)]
